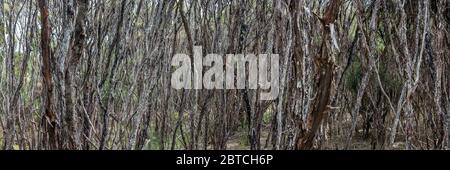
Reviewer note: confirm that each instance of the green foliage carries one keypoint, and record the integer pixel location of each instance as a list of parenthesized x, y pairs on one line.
[(389, 80), (267, 116), (6, 7), (352, 30), (353, 75), (379, 44), (18, 58), (243, 139), (152, 143), (2, 32)]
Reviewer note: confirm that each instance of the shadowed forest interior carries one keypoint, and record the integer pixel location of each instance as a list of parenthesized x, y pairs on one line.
[(96, 74)]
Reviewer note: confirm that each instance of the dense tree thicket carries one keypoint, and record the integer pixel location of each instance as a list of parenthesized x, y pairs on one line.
[(96, 74)]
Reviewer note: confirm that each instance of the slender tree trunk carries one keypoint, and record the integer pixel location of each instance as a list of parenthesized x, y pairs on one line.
[(49, 114), (324, 79)]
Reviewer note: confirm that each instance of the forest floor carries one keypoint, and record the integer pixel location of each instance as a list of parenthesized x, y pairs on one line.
[(239, 142)]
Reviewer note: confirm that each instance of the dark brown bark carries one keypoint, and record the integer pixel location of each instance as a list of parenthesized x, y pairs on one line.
[(325, 67), (49, 119)]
